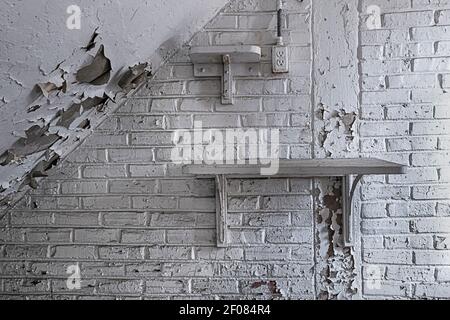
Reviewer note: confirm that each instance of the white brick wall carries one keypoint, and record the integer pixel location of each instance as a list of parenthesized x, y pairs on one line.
[(403, 232), (140, 229)]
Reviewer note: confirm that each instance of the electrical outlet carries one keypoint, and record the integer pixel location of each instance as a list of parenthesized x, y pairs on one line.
[(280, 59)]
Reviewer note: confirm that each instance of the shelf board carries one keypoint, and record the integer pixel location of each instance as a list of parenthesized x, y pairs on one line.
[(214, 54), (302, 168)]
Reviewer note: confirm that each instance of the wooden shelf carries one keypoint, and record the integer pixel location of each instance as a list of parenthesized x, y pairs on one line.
[(301, 168), (351, 170), (214, 54)]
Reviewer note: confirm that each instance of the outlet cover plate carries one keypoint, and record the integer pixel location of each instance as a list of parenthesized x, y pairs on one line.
[(280, 59)]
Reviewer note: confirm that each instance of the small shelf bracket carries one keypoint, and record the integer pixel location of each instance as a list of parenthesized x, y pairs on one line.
[(222, 211), (349, 185), (226, 62), (227, 81)]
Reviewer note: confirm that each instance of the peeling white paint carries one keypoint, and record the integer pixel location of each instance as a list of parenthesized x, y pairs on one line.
[(41, 57)]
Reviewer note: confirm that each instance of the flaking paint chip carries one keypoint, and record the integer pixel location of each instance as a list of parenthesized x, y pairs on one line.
[(98, 72)]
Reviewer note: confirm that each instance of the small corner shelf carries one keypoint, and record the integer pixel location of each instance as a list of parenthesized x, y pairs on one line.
[(351, 170), (218, 61)]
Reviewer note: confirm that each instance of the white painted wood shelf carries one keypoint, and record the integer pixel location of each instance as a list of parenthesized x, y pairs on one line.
[(351, 170)]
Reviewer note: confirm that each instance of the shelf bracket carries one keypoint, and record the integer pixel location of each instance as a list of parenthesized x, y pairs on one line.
[(226, 62), (350, 184), (222, 211), (227, 81)]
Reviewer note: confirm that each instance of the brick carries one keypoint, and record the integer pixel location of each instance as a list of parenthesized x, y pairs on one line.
[(133, 186), (430, 128), (98, 140), (121, 253), (385, 226), (441, 242), (379, 129), (184, 219), (99, 269), (88, 156), (380, 37), (103, 203), (188, 187), (442, 274), (383, 67), (432, 290), (408, 242), (143, 237), (267, 253), (405, 19), (154, 202), (408, 50), (204, 87), (189, 269), (191, 236), (218, 121), (198, 204), (165, 88), (96, 236), (152, 139), (374, 210), (288, 236), (120, 286), (123, 219), (266, 219), (436, 32), (412, 144), (387, 289), (138, 123), (432, 258), (384, 256), (26, 286), (31, 218), (208, 253), (386, 4), (83, 187), (130, 155), (142, 171), (73, 252), (431, 192), (415, 176), (143, 269), (286, 202), (402, 273), (25, 251), (158, 252), (215, 286), (421, 81), (373, 192), (246, 236), (76, 219), (50, 236), (166, 286), (431, 159), (375, 242), (104, 172)]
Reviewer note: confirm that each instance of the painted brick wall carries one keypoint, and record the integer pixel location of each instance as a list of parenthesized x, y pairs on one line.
[(138, 228), (405, 117)]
